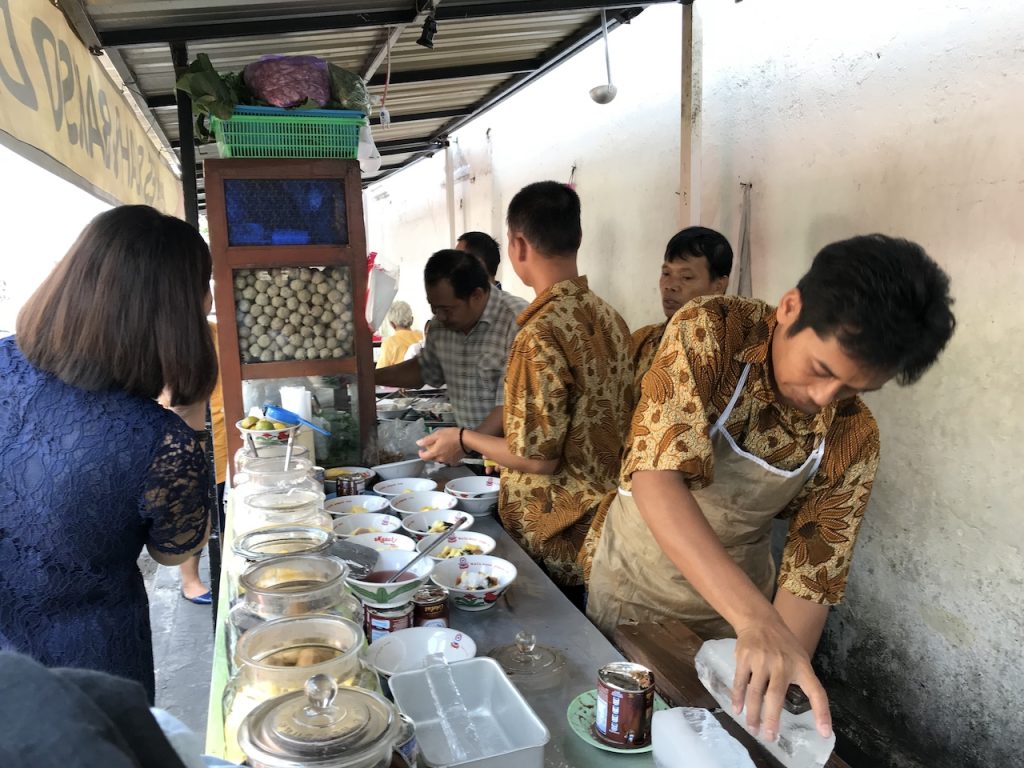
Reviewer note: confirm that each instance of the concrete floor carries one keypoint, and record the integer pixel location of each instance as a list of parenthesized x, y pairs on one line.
[(182, 644)]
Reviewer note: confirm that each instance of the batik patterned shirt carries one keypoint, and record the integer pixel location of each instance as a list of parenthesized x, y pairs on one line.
[(643, 347), (568, 396), (696, 369)]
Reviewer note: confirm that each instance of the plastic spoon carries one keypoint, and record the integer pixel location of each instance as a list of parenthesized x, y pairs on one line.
[(429, 548)]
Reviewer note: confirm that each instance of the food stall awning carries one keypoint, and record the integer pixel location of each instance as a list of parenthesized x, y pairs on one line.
[(484, 50), (62, 109)]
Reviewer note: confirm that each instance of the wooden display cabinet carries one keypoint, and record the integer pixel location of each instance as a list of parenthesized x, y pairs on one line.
[(275, 226)]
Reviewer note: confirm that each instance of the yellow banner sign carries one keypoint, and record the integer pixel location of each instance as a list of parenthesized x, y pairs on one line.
[(57, 97)]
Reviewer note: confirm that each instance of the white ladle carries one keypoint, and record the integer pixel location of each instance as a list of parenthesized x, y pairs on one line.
[(603, 94)]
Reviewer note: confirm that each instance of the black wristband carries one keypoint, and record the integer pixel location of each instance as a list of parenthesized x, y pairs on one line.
[(462, 445)]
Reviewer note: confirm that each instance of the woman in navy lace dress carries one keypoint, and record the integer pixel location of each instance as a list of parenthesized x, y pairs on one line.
[(92, 468)]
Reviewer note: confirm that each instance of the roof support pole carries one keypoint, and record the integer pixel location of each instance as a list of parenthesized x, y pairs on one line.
[(179, 55), (690, 144), (449, 190)]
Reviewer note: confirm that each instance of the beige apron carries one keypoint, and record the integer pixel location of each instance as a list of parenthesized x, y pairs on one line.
[(632, 580)]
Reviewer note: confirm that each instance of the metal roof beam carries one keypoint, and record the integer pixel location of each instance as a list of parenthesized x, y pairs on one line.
[(255, 28), (523, 7)]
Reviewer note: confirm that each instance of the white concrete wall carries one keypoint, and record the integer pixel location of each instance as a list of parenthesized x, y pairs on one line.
[(903, 118), (847, 118)]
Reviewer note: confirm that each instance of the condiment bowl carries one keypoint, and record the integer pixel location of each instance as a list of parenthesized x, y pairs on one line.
[(418, 525), (349, 505), (449, 574), (384, 541), (376, 593), (399, 485), (366, 523), (426, 501), (476, 495), (456, 540), (406, 649)]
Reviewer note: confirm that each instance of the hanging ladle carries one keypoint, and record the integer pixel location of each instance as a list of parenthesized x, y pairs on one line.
[(602, 94)]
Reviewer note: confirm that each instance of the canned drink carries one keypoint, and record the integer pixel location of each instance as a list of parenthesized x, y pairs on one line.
[(379, 622), (625, 704), (407, 744), (430, 607)]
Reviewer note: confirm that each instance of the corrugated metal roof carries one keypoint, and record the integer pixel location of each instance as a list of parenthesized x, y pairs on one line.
[(483, 50)]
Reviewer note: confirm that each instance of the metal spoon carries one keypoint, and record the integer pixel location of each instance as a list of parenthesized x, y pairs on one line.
[(429, 548)]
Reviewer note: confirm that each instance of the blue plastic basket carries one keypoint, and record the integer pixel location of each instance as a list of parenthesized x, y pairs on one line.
[(304, 133)]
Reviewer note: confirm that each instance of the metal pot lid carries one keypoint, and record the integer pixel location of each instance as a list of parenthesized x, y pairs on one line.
[(322, 724)]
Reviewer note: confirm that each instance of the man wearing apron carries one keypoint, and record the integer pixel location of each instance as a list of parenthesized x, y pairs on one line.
[(749, 413)]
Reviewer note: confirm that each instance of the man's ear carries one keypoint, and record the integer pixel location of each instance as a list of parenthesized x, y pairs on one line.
[(789, 307), (720, 284)]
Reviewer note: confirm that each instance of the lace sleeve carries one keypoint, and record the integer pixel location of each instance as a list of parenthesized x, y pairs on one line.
[(175, 501)]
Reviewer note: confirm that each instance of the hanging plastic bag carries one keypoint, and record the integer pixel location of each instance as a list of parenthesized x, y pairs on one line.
[(396, 439), (381, 289)]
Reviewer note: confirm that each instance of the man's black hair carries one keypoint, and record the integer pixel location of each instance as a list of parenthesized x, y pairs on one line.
[(485, 248), (462, 269), (702, 242), (884, 299), (547, 214)]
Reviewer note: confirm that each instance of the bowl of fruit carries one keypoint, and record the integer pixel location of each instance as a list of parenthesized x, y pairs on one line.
[(265, 431)]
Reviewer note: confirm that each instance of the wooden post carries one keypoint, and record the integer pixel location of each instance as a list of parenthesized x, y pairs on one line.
[(690, 119)]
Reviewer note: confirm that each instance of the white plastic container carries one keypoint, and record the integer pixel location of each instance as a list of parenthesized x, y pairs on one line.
[(512, 734)]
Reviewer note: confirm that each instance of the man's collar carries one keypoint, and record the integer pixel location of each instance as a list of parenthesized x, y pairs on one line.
[(560, 289), (757, 346)]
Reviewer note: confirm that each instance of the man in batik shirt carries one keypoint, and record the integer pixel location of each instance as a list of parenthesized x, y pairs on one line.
[(749, 413), (698, 262), (568, 392)]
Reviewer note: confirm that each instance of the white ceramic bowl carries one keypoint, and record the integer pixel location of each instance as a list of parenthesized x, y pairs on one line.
[(366, 522), (425, 501), (457, 539), (446, 574), (399, 469), (476, 495), (382, 595), (399, 485), (351, 505), (406, 649), (386, 409), (384, 541), (418, 524)]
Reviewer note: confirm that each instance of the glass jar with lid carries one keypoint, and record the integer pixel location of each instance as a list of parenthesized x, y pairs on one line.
[(295, 506), (263, 475), (245, 456), (290, 585), (265, 543), (323, 726), (279, 656)]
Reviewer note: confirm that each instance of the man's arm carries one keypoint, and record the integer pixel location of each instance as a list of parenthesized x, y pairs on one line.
[(769, 656), (404, 375), (804, 618), (443, 445), (494, 423)]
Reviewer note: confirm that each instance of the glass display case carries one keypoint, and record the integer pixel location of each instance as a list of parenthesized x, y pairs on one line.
[(289, 261)]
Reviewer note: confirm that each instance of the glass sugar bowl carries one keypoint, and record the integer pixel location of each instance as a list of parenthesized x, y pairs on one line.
[(291, 507), (279, 656), (324, 726), (265, 543), (291, 585)]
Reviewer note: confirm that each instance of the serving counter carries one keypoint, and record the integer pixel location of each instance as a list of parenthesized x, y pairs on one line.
[(533, 604)]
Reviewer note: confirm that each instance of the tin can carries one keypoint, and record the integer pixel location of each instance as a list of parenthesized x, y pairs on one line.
[(379, 622), (407, 744), (430, 607), (625, 705)]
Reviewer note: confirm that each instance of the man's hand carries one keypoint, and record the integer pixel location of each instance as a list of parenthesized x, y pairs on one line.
[(442, 445), (768, 658)]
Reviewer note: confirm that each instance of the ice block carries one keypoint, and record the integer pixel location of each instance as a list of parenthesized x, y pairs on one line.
[(799, 744), (693, 738)]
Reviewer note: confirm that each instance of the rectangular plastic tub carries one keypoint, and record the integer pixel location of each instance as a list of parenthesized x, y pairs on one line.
[(511, 734)]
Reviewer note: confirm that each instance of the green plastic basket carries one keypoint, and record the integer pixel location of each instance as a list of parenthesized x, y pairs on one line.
[(272, 132)]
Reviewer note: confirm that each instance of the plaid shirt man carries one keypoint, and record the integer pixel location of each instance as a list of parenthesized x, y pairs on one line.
[(473, 364)]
